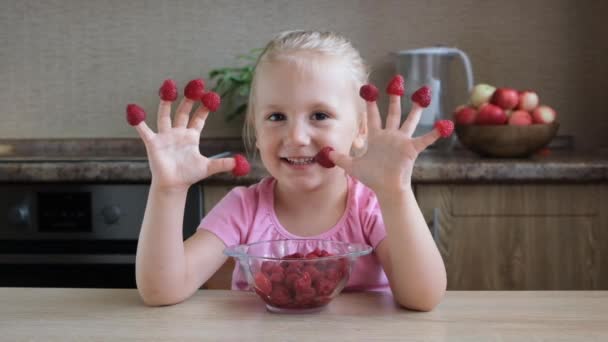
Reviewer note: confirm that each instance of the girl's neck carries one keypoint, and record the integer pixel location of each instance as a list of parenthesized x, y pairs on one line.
[(326, 202)]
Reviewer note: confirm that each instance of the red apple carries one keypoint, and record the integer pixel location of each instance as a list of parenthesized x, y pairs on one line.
[(505, 98), (490, 114), (528, 100), (520, 118), (481, 94), (465, 115), (543, 115)]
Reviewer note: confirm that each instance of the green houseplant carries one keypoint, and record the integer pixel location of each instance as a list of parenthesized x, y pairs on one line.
[(233, 84)]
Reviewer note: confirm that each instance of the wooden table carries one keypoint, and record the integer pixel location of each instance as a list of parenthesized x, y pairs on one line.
[(214, 315)]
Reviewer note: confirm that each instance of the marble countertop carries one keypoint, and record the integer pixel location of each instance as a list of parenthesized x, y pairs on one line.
[(124, 160)]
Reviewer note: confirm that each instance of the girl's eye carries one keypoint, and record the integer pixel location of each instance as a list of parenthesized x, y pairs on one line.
[(276, 117), (320, 116)]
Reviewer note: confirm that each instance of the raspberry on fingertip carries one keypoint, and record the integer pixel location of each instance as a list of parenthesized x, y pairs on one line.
[(194, 89), (241, 166), (168, 90), (368, 92), (396, 86), (422, 96), (135, 114), (444, 127), (211, 101), (322, 157)]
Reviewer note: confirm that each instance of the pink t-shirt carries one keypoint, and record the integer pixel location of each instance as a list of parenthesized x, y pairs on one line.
[(246, 215)]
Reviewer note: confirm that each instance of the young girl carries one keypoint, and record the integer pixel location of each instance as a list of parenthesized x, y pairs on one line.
[(305, 96)]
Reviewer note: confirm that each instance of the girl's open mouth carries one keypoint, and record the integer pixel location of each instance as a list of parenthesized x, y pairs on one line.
[(299, 161)]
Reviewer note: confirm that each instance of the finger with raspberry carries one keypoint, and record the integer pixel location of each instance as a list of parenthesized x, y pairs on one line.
[(442, 129), (328, 158), (421, 99), (136, 117), (210, 103), (395, 90), (193, 92), (369, 93)]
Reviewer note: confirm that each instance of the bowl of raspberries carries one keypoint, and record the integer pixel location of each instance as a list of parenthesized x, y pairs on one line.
[(297, 275)]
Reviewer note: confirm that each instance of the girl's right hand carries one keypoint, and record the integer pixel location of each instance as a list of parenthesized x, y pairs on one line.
[(173, 153)]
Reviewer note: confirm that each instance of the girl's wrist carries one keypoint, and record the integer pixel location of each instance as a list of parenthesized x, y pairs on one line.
[(395, 193)]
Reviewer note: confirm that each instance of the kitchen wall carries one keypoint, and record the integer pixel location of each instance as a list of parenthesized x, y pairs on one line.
[(69, 67)]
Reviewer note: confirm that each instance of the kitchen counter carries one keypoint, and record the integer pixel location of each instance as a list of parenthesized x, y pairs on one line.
[(124, 160), (117, 314)]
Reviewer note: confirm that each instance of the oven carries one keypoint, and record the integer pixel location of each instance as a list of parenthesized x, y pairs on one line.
[(76, 235)]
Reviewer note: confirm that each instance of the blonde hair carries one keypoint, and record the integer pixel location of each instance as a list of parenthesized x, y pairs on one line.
[(285, 45)]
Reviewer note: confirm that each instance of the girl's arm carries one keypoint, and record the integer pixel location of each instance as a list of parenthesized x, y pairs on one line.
[(409, 255), (168, 270), (410, 258)]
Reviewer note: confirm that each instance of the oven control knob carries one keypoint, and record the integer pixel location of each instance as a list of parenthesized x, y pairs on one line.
[(19, 215), (111, 214)]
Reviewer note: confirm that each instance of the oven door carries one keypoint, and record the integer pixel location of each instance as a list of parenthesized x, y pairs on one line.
[(76, 235)]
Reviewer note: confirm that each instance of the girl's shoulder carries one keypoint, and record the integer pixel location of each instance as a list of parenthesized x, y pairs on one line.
[(253, 193)]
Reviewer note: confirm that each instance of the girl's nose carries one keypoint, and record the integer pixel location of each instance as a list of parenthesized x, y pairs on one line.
[(298, 133)]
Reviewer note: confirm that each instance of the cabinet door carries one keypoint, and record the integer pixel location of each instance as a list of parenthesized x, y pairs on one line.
[(518, 237), (222, 277)]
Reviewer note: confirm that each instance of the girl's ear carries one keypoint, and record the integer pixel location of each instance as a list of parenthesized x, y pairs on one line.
[(361, 136)]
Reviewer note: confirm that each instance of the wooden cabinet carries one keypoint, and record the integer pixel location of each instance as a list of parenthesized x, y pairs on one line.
[(520, 237)]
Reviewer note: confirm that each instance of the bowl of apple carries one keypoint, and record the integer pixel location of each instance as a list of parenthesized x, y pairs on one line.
[(504, 122)]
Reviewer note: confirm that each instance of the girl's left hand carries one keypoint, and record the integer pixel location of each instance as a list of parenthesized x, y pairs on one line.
[(388, 162)]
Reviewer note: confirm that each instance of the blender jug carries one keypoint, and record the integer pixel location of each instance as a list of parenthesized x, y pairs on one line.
[(431, 67)]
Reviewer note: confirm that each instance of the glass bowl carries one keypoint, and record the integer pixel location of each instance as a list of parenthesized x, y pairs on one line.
[(297, 275)]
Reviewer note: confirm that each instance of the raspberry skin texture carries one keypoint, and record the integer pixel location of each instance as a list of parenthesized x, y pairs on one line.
[(445, 127), (211, 101), (135, 114), (368, 92), (168, 90), (396, 86), (194, 89), (241, 166), (422, 96), (322, 157)]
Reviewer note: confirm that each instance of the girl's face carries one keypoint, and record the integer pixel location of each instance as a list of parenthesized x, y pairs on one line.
[(301, 108)]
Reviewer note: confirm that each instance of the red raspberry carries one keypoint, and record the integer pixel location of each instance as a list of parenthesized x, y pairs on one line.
[(313, 271), (422, 96), (263, 284), (303, 282), (135, 114), (294, 267), (333, 274), (324, 253), (323, 157), (195, 89), (325, 286), (445, 127), (294, 256), (280, 295), (305, 297), (369, 92), (278, 274), (290, 279), (168, 91), (241, 167), (396, 86), (311, 255), (267, 267), (211, 101)]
